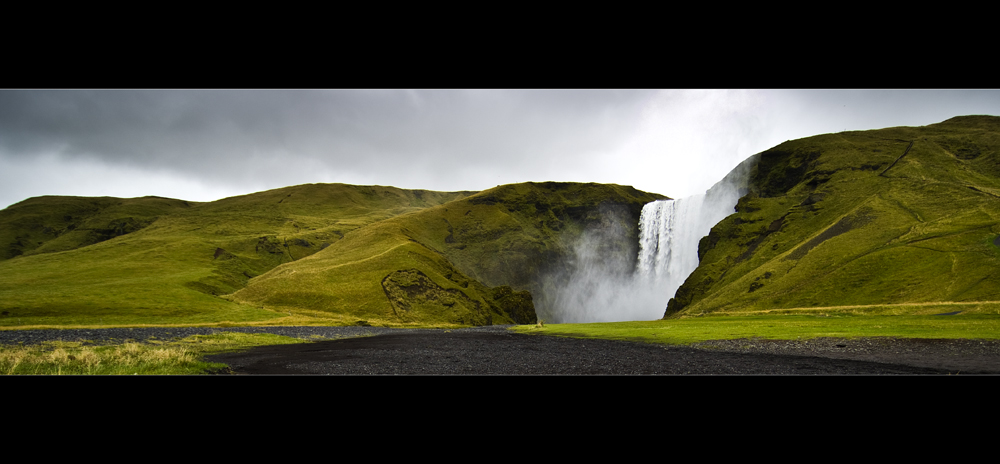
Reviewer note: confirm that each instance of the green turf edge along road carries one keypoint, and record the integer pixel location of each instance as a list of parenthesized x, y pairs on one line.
[(786, 327), (183, 357)]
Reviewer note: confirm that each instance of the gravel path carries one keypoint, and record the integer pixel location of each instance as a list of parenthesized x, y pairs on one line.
[(145, 334), (954, 356), (496, 351)]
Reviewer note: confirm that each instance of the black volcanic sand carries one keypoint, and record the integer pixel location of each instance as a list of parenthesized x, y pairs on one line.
[(496, 351)]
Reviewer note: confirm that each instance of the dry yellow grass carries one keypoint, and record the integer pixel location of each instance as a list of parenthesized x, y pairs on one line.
[(180, 357)]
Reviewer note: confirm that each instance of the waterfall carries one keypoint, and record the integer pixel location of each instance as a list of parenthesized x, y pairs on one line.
[(669, 230), (598, 287)]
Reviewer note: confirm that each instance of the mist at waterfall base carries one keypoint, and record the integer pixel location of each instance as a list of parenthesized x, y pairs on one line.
[(611, 280)]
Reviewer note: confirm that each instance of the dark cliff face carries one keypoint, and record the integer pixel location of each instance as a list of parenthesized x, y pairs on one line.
[(534, 229), (779, 170)]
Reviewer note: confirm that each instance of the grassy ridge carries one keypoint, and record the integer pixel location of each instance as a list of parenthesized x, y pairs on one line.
[(51, 224), (846, 219), (172, 266)]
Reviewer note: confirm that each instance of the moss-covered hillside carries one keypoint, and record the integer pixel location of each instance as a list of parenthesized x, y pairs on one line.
[(883, 217), (397, 256)]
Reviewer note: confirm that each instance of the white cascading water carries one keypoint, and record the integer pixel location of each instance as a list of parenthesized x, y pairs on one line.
[(669, 231)]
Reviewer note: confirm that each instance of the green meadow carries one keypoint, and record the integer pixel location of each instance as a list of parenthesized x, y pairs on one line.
[(879, 321)]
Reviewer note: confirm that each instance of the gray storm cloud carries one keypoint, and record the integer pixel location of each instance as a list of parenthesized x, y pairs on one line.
[(213, 134), (241, 141), (199, 144)]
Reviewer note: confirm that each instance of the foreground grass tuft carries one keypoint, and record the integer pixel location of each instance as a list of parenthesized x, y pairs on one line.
[(130, 358)]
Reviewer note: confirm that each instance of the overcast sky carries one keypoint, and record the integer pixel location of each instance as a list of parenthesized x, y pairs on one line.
[(202, 145)]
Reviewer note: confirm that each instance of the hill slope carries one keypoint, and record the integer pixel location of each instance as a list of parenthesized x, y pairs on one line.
[(904, 215), (72, 260), (437, 264), (382, 254)]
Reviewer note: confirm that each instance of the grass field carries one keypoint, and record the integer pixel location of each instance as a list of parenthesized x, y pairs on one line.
[(884, 321)]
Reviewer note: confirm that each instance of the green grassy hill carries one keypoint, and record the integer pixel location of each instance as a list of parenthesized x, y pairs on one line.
[(377, 254), (446, 258), (106, 261), (902, 220)]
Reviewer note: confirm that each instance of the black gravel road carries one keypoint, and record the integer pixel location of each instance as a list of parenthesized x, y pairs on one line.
[(496, 351)]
